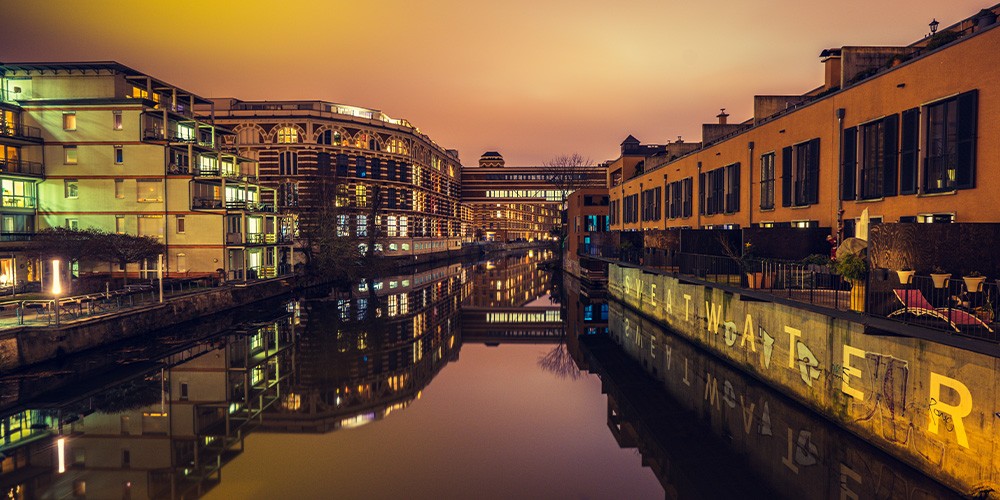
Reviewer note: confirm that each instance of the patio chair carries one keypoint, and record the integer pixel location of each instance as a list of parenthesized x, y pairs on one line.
[(916, 304)]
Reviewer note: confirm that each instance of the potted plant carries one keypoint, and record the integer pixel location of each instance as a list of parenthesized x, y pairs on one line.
[(905, 275), (744, 259), (974, 281), (940, 277), (853, 268)]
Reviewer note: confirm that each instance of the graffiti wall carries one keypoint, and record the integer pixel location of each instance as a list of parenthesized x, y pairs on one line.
[(930, 405), (771, 443)]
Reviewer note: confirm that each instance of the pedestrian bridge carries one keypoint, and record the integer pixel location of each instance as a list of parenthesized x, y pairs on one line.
[(526, 325)]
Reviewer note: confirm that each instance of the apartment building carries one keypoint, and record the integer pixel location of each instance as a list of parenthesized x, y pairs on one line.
[(352, 164), (905, 133), (125, 153), (21, 170)]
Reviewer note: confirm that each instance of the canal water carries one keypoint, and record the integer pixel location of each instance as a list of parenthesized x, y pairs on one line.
[(495, 379)]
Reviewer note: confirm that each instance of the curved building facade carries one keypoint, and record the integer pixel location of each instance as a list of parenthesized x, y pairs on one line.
[(362, 162)]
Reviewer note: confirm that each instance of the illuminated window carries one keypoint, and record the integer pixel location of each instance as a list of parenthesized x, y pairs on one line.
[(70, 155), (362, 225), (119, 188), (362, 140), (69, 121), (397, 146), (149, 190), (361, 196), (118, 123), (288, 135), (360, 167)]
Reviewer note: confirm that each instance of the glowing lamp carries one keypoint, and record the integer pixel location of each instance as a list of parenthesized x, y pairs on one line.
[(56, 278)]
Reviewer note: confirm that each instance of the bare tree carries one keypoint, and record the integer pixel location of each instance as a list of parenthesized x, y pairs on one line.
[(567, 173), (560, 362)]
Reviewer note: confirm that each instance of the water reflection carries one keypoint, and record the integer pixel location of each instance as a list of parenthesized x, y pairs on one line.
[(142, 426), (707, 430), (368, 352)]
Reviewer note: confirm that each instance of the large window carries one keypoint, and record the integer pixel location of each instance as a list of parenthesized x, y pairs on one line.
[(18, 194), (800, 174), (878, 158), (71, 188), (151, 225), (651, 204), (149, 190), (767, 181), (288, 163), (951, 143)]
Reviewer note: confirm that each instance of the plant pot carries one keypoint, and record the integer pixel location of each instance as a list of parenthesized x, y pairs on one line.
[(905, 277), (858, 293), (940, 280), (974, 283)]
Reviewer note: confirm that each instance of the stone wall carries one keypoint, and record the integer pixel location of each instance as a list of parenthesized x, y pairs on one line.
[(27, 346), (930, 405)]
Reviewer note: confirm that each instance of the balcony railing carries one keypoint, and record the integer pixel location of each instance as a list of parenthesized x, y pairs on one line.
[(20, 131), (249, 206), (256, 239), (206, 204), (8, 165), (16, 236)]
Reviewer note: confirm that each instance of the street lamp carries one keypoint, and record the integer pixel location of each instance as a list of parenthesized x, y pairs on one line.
[(934, 26), (56, 288)]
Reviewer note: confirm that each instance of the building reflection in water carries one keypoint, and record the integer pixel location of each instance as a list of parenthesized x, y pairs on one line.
[(511, 280), (147, 427), (707, 430), (367, 353)]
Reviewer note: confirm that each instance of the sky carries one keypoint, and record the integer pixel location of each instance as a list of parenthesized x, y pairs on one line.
[(530, 79)]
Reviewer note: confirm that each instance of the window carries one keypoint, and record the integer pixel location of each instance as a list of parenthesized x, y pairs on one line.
[(362, 228), (360, 196), (69, 121), (951, 143), (71, 188), (288, 194), (288, 163), (936, 218), (800, 174), (120, 224), (69, 155), (878, 158), (651, 204), (119, 188), (342, 164), (73, 224), (359, 167), (151, 225), (908, 150), (715, 191), (288, 135), (119, 155), (767, 181), (733, 188), (117, 124), (180, 224), (149, 190)]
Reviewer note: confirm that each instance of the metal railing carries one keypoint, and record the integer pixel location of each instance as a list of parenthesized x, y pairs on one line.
[(12, 166), (957, 306), (21, 131)]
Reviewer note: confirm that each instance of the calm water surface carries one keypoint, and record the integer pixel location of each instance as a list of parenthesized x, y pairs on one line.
[(491, 380)]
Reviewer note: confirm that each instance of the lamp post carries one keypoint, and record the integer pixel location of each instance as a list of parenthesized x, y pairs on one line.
[(934, 26), (56, 288)]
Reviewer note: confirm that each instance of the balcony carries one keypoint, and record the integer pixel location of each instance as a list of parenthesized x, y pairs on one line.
[(18, 201), (21, 167), (206, 204), (16, 236), (250, 206), (256, 239), (21, 133)]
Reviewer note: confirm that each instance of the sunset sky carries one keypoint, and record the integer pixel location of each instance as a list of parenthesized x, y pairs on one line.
[(531, 79)]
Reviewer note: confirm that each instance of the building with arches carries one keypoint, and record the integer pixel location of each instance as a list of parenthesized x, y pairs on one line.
[(355, 163)]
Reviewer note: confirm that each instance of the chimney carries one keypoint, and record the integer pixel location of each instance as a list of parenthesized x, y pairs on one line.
[(722, 116), (832, 70)]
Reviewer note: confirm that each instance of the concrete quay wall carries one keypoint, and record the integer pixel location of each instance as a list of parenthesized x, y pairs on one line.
[(930, 405), (26, 346)]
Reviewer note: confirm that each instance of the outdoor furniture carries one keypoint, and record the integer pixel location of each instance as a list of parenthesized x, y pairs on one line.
[(916, 304)]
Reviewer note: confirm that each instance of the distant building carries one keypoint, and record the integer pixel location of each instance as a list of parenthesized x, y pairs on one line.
[(906, 133), (318, 154), (521, 203), (586, 213), (125, 153)]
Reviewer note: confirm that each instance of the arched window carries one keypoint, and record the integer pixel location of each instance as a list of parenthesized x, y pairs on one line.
[(397, 146), (288, 163), (288, 135), (362, 140), (331, 138)]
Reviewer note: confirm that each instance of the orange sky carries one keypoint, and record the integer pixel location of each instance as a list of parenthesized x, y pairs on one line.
[(531, 79)]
